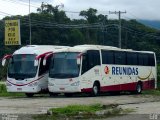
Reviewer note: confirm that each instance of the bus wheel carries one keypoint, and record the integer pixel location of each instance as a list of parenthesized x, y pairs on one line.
[(68, 94), (138, 88), (95, 89), (29, 94)]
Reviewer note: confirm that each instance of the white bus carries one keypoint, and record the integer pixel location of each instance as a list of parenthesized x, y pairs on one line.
[(26, 72), (95, 69)]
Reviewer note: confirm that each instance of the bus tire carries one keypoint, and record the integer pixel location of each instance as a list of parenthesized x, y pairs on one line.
[(138, 88), (29, 94), (68, 94), (95, 89)]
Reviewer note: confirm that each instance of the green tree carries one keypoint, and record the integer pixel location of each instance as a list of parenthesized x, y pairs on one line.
[(90, 15)]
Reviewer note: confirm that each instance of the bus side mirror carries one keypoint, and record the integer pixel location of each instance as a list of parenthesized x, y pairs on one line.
[(78, 61), (5, 58), (3, 62), (44, 62), (47, 57), (35, 63)]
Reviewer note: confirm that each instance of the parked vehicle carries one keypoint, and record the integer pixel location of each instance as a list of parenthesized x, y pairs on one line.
[(26, 72), (94, 69)]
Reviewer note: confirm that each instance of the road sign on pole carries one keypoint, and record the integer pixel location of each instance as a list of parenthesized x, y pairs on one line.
[(12, 32)]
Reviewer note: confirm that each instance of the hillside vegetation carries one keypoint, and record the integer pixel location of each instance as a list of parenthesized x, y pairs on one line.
[(51, 26)]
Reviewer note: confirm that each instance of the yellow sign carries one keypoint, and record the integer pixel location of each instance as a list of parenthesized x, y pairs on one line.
[(12, 32)]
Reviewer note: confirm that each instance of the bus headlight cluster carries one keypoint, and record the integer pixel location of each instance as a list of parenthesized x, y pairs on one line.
[(50, 84), (33, 84), (8, 84), (75, 84)]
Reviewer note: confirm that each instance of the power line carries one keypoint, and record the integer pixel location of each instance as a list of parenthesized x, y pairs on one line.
[(20, 2), (140, 33), (49, 24)]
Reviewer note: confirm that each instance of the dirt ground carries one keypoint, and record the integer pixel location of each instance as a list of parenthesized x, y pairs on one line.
[(142, 104)]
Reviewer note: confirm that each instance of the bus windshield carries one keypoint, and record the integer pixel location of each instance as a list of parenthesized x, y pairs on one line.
[(64, 65), (22, 66)]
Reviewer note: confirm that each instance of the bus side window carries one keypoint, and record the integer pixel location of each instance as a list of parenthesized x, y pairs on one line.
[(145, 60), (140, 59), (107, 57), (93, 58), (151, 59), (90, 59), (120, 57), (132, 58)]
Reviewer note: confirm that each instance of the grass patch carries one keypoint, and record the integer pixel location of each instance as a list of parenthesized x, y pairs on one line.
[(4, 93), (152, 92), (75, 109), (96, 111)]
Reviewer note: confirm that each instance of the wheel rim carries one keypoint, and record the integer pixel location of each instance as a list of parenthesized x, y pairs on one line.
[(139, 88), (95, 90)]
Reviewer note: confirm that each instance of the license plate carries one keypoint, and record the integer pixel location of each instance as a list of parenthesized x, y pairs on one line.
[(62, 88), (19, 89)]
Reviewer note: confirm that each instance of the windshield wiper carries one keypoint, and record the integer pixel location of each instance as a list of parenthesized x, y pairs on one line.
[(60, 75), (20, 76)]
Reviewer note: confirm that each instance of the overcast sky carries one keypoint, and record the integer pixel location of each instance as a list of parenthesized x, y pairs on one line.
[(136, 9)]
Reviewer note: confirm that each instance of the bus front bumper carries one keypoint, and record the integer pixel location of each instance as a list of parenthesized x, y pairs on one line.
[(64, 89), (24, 89)]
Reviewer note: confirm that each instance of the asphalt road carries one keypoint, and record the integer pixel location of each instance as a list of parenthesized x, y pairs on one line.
[(40, 104), (142, 104)]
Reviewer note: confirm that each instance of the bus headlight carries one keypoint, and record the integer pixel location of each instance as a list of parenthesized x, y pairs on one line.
[(33, 84), (8, 84), (75, 84), (50, 84), (30, 85)]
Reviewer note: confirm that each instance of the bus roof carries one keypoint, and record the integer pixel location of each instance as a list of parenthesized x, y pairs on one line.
[(83, 48), (37, 49)]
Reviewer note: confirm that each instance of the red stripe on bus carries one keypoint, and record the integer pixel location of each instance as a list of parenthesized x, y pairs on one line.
[(150, 84), (42, 55), (25, 84), (7, 56)]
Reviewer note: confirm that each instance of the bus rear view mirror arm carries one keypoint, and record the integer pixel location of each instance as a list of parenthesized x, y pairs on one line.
[(46, 57), (5, 58), (78, 61), (35, 62), (44, 62), (3, 62)]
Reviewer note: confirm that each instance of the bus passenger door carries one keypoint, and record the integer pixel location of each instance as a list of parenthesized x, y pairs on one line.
[(90, 68)]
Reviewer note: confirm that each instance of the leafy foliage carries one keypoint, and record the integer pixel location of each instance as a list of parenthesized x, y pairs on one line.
[(4, 93), (51, 26)]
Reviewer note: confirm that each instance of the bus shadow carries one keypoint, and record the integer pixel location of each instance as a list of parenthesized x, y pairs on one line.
[(75, 95), (86, 95)]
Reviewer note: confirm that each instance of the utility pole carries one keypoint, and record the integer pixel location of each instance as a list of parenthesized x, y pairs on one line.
[(103, 21), (30, 29), (119, 15), (104, 27)]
